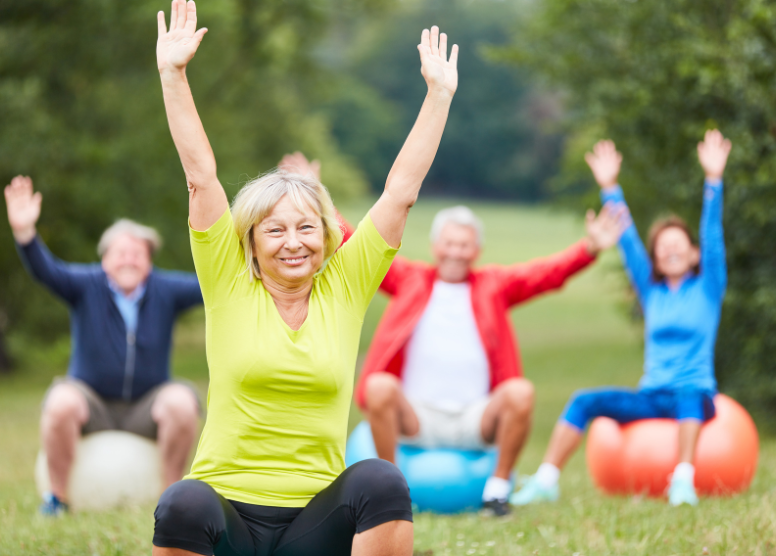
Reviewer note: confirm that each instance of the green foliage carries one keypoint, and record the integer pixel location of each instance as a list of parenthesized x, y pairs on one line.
[(82, 113), (499, 141), (653, 76)]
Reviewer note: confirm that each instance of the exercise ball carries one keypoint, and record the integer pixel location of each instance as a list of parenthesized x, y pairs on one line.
[(443, 481), (111, 468), (639, 457)]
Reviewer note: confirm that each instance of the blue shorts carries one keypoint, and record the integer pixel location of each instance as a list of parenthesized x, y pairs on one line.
[(625, 405)]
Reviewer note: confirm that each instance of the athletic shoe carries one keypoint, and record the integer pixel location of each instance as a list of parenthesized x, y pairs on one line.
[(52, 506), (496, 508), (532, 492), (682, 492)]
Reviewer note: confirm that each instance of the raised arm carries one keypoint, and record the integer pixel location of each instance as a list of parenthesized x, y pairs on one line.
[(409, 170), (174, 50), (713, 153), (605, 164), (23, 206)]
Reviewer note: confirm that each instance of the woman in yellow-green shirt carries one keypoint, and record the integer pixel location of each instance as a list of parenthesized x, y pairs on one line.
[(284, 314)]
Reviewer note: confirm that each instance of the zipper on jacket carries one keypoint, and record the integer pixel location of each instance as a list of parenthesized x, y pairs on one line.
[(129, 367)]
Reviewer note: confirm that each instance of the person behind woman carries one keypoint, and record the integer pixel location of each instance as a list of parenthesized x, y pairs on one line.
[(680, 287), (284, 313)]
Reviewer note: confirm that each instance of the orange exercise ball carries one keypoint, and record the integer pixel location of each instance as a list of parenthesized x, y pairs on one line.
[(640, 456)]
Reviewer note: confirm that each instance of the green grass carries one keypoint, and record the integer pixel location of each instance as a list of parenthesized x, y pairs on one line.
[(580, 337)]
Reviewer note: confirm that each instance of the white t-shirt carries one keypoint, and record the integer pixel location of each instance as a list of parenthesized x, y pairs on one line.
[(445, 362)]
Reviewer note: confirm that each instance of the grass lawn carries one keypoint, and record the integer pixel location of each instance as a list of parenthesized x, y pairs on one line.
[(581, 337)]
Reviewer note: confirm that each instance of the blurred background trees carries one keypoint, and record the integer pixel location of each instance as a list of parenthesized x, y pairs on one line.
[(542, 80), (653, 76)]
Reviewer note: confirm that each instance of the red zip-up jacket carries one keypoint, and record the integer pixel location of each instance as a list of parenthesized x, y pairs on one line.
[(494, 290)]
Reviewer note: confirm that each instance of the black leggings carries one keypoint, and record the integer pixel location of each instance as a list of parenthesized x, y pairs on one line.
[(192, 516)]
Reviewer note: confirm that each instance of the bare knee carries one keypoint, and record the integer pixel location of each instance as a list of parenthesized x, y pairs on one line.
[(518, 397), (176, 405), (382, 392), (64, 405)]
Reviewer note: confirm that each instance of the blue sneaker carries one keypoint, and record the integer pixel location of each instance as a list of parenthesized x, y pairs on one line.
[(52, 506), (532, 492), (682, 492)]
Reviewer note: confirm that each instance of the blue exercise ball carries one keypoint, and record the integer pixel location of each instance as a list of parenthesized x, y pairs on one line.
[(441, 480)]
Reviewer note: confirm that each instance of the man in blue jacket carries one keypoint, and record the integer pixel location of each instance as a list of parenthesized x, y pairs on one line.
[(122, 314)]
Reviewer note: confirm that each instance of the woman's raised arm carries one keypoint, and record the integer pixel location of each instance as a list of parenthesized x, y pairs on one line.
[(174, 50), (389, 214)]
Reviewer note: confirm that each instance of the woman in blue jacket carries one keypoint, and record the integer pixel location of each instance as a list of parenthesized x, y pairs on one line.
[(680, 286)]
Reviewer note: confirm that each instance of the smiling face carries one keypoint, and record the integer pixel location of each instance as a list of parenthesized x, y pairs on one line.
[(289, 244), (455, 251), (674, 253), (127, 262)]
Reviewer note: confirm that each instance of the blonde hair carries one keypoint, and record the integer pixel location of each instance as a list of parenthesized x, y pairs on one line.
[(258, 197), (132, 228)]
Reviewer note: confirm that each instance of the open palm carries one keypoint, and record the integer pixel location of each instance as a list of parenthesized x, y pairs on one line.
[(604, 231), (176, 47), (23, 205), (605, 163), (713, 153), (437, 70)]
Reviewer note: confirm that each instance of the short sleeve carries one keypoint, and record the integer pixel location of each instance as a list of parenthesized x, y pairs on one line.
[(359, 266), (219, 260)]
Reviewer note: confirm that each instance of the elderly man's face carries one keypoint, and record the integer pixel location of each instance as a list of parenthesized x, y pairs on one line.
[(455, 251), (127, 262)]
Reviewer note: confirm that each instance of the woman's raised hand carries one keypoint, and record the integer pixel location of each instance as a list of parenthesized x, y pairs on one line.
[(605, 163), (23, 208), (604, 231), (713, 153), (440, 73), (176, 47)]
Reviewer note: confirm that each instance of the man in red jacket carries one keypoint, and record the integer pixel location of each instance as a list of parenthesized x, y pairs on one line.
[(443, 368)]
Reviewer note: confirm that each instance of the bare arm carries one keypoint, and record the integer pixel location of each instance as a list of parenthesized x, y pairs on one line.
[(174, 50), (409, 170)]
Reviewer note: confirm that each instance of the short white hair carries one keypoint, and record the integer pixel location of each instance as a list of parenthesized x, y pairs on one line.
[(132, 228), (461, 215)]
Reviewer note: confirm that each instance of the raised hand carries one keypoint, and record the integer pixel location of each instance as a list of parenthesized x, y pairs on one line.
[(605, 163), (439, 72), (23, 208), (297, 163), (176, 47), (713, 153), (604, 231)]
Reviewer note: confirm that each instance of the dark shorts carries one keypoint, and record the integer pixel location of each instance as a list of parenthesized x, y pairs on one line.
[(109, 414), (626, 405), (192, 516)]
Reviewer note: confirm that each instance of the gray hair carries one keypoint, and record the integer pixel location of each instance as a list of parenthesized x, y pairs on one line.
[(132, 228), (461, 215)]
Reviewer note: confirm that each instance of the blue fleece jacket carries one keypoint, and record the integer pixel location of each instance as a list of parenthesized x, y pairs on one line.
[(115, 362), (680, 326)]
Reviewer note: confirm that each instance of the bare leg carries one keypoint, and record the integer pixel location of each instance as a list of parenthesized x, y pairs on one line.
[(507, 420), (64, 413), (689, 431), (176, 414), (393, 538), (564, 442), (389, 414)]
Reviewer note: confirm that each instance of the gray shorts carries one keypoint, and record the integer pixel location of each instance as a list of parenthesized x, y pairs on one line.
[(110, 414), (443, 428)]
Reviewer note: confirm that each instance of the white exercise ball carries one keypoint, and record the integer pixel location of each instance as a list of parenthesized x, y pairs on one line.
[(111, 468)]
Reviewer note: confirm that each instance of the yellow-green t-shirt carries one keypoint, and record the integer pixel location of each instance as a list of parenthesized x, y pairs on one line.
[(278, 400)]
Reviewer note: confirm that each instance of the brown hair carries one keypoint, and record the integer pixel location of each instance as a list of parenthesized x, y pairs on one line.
[(670, 221)]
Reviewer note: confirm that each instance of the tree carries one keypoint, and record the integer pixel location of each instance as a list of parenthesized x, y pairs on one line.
[(499, 141), (82, 114), (653, 76)]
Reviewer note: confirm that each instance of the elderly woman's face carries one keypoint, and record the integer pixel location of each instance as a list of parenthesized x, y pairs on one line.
[(289, 244), (127, 262)]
